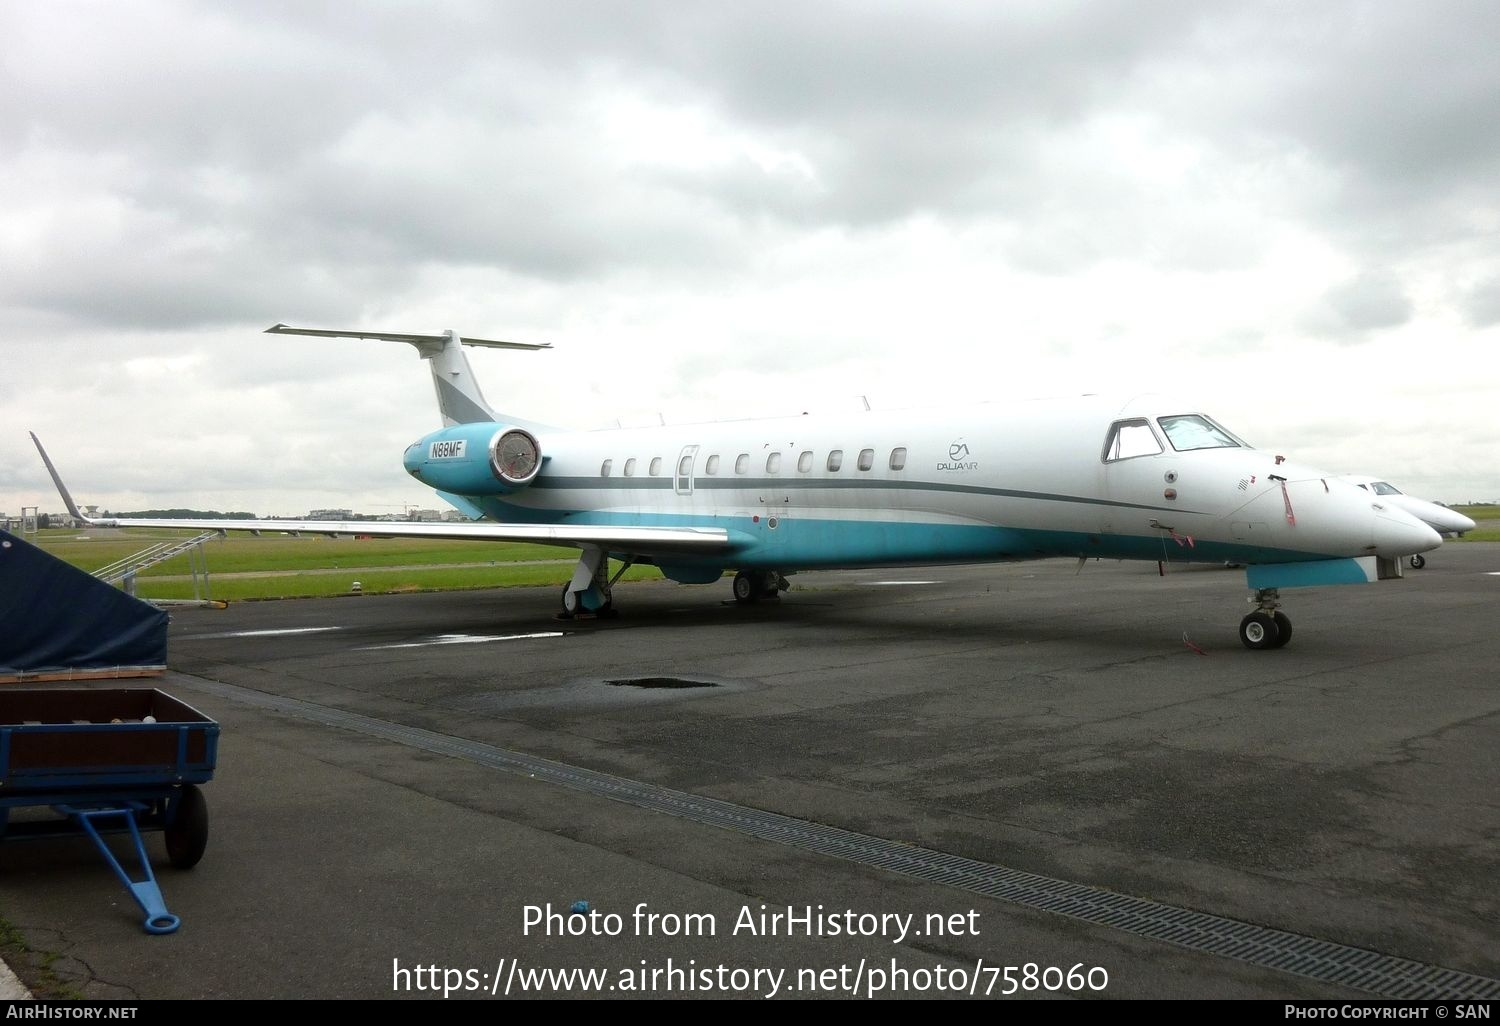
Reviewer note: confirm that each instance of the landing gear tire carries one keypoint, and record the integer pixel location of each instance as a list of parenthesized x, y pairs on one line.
[(1283, 628), (1417, 562), (1260, 631), (572, 607), (752, 586)]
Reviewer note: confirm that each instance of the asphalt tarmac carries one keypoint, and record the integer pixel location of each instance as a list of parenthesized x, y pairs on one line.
[(1101, 726)]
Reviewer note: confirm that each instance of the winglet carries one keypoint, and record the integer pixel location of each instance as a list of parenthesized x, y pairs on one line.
[(62, 489)]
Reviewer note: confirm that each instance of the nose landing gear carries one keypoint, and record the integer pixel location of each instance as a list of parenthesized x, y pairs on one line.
[(1268, 626)]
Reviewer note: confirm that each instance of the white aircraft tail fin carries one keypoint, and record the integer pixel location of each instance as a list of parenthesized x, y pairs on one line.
[(459, 398)]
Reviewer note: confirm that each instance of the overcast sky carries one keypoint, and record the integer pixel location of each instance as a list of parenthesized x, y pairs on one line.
[(1286, 211)]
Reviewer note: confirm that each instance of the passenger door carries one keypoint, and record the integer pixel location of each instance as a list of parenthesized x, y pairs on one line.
[(1139, 471), (682, 479)]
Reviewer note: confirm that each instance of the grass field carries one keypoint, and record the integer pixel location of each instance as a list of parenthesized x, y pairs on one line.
[(244, 566), (1486, 517), (244, 552)]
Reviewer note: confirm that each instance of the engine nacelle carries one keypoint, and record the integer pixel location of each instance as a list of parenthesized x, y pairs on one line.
[(475, 459)]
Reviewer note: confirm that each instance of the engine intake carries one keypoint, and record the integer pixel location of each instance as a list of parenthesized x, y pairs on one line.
[(515, 457)]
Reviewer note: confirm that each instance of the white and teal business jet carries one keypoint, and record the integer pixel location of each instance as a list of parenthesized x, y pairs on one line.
[(1093, 477)]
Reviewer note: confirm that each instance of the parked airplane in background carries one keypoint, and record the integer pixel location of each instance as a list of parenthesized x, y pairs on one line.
[(1119, 478), (1438, 517)]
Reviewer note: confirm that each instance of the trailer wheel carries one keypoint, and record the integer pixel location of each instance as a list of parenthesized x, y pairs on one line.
[(187, 827)]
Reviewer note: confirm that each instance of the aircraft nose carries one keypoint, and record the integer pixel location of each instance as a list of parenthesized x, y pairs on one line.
[(1460, 522), (1398, 533)]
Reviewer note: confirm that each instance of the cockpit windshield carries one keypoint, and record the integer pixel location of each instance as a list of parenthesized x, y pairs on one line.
[(1194, 431), (1129, 439), (1381, 488)]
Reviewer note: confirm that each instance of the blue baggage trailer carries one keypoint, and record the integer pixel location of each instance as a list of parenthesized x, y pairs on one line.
[(109, 761)]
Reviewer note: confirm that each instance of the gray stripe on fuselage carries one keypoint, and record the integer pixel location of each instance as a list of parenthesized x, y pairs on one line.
[(771, 484)]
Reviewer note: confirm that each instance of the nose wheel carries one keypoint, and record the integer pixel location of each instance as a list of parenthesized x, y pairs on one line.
[(1268, 626)]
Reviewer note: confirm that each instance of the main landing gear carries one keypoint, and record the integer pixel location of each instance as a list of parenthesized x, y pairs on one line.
[(590, 592), (758, 586), (1268, 626)]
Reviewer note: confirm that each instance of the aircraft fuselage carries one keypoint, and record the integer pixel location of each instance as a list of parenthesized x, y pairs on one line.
[(987, 482)]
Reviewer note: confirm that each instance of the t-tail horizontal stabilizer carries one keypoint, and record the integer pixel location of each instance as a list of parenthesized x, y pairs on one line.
[(458, 394)]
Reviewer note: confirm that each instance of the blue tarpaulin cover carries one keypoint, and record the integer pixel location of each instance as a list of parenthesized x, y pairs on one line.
[(55, 617)]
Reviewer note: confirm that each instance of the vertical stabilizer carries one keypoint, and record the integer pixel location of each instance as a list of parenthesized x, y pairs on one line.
[(459, 397)]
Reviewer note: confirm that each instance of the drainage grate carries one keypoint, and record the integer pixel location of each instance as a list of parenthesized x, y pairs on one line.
[(1325, 961), (659, 682)]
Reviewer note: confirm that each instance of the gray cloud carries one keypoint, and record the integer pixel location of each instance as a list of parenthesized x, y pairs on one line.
[(306, 140), (1481, 304), (463, 136), (1365, 303)]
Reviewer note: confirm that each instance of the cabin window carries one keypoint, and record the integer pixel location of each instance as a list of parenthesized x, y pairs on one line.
[(742, 463), (712, 466), (835, 460), (804, 462), (898, 458), (630, 467), (1129, 439), (656, 466), (604, 468), (1195, 431), (866, 459), (684, 466), (773, 463)]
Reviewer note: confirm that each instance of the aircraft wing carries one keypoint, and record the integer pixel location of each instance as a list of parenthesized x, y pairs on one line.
[(638, 540), (614, 539)]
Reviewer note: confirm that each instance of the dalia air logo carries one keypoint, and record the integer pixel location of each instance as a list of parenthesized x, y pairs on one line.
[(958, 458)]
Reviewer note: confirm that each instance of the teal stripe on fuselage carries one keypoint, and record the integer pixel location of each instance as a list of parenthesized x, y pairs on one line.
[(808, 543)]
